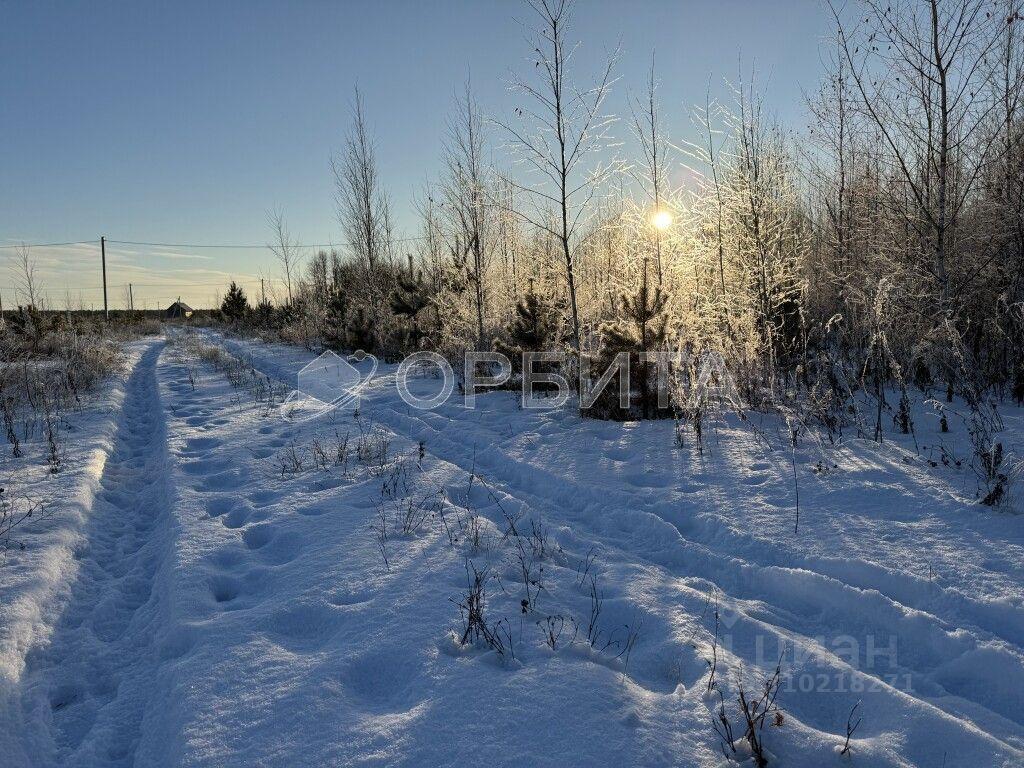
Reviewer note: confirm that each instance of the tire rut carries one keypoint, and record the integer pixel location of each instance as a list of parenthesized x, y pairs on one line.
[(88, 689)]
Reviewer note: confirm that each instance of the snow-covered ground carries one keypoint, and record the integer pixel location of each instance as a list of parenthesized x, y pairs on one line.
[(213, 588)]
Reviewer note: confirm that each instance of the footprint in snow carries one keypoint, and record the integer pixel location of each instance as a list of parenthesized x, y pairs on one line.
[(264, 497), (258, 536), (222, 481), (204, 467), (237, 517), (201, 443), (225, 588), (220, 505)]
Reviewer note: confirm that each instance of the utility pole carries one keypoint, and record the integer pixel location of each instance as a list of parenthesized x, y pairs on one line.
[(103, 255), (131, 300), (263, 293)]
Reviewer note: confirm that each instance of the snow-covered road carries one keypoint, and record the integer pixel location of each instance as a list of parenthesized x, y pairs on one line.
[(229, 604), (87, 690)]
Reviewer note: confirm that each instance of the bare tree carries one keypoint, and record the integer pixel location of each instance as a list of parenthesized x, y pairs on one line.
[(921, 77), (1009, 86), (563, 128), (653, 175), (285, 249), (432, 250), (26, 280), (767, 212), (363, 206), (707, 161), (829, 168), (509, 238), (465, 193)]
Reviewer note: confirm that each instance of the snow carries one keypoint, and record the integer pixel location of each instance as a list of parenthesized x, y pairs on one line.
[(196, 600), (35, 580)]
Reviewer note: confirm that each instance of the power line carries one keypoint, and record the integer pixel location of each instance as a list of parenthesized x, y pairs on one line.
[(50, 245), (240, 246), (214, 245), (250, 245), (170, 284), (265, 246)]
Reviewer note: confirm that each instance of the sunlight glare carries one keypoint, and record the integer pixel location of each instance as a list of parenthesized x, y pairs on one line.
[(662, 220)]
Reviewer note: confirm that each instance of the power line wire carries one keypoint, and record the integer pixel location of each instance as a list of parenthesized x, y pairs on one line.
[(168, 284), (209, 245), (50, 245), (249, 246)]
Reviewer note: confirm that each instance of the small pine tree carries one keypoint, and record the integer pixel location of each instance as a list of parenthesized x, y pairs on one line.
[(285, 314), (536, 327), (411, 296), (359, 330), (264, 313), (336, 321), (642, 327), (235, 305)]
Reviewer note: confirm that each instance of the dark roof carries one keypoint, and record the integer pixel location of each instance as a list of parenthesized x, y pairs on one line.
[(180, 306)]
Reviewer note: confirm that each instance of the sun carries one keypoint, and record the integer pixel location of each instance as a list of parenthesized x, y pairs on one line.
[(661, 220)]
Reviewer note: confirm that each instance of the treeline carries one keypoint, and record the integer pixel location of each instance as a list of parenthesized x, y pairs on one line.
[(881, 247)]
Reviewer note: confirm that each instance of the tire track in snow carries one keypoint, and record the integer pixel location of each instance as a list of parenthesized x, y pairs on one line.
[(801, 603), (951, 607), (87, 691), (960, 610)]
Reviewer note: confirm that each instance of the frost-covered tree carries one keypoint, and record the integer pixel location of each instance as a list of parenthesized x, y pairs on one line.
[(466, 200), (560, 136), (537, 326), (641, 329)]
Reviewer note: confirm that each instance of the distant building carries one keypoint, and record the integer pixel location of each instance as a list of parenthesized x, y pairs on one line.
[(179, 310)]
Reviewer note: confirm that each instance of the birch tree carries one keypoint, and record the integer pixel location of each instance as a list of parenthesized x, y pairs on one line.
[(921, 71), (286, 250), (466, 198), (363, 206), (561, 132), (652, 174)]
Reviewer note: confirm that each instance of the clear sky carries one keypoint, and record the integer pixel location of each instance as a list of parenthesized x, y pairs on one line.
[(186, 122)]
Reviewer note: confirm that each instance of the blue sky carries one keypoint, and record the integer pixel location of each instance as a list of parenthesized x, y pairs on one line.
[(186, 122)]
